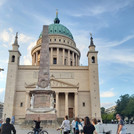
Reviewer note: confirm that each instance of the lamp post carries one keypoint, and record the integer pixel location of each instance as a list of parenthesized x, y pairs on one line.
[(1, 69)]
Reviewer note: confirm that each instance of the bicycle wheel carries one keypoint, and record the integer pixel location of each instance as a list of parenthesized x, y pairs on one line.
[(44, 132), (30, 132)]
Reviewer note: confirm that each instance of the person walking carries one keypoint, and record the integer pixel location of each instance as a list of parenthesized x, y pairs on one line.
[(73, 126), (8, 128), (88, 127), (0, 125), (121, 129), (94, 122), (77, 123), (65, 125), (82, 125)]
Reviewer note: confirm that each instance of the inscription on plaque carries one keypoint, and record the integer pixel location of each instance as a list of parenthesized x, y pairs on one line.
[(42, 100)]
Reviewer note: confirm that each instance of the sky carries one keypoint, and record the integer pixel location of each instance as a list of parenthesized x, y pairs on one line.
[(111, 23)]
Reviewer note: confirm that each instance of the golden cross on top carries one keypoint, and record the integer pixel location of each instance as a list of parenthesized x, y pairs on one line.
[(56, 11)]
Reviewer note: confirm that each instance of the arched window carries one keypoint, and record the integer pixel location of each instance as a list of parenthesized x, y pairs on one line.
[(13, 58), (93, 59)]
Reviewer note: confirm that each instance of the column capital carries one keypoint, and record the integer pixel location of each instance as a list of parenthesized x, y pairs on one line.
[(57, 92), (76, 93), (66, 92)]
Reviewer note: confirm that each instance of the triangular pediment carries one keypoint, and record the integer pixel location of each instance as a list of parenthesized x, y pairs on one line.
[(54, 84), (59, 83)]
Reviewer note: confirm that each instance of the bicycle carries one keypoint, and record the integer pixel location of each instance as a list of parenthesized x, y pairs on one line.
[(60, 130), (40, 131)]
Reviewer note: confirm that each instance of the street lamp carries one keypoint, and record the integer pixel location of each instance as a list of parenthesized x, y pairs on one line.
[(1, 69)]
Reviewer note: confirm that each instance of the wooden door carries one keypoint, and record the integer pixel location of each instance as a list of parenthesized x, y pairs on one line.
[(70, 112)]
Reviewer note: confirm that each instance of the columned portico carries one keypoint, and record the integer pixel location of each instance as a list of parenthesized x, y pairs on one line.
[(51, 56), (66, 103), (76, 104), (76, 60), (63, 56), (57, 56), (69, 57), (57, 103), (73, 58), (37, 58)]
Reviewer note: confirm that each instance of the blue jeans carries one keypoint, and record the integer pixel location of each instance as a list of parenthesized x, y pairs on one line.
[(36, 130)]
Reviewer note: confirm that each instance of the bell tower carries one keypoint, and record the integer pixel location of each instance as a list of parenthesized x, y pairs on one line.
[(13, 63), (93, 81)]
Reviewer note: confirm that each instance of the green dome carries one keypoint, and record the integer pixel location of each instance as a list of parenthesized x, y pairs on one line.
[(57, 28)]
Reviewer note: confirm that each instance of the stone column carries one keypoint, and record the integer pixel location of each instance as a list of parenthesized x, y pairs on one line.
[(27, 101), (76, 60), (57, 103), (73, 58), (37, 58), (66, 103), (51, 56), (63, 56), (76, 104), (69, 57), (34, 58), (57, 56)]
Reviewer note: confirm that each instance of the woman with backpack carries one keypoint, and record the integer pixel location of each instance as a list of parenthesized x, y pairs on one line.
[(78, 125)]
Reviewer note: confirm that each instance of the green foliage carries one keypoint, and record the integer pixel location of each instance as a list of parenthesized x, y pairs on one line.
[(102, 110), (106, 117), (125, 106)]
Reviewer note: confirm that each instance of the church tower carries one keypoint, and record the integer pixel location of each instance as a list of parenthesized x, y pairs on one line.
[(13, 63), (93, 81)]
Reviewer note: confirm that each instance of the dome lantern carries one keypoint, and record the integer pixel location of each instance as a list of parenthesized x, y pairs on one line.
[(56, 20)]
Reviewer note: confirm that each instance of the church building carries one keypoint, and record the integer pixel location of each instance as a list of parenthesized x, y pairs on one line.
[(76, 87)]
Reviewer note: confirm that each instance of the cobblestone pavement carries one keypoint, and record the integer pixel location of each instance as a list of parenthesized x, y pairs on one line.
[(113, 127)]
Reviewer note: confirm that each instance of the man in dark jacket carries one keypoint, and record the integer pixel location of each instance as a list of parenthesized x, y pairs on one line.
[(7, 128)]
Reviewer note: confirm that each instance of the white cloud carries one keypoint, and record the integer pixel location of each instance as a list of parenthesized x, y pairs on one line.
[(28, 58), (24, 38), (107, 94), (107, 104), (5, 36), (2, 2), (2, 76), (101, 82), (2, 90), (105, 43), (103, 7), (40, 18)]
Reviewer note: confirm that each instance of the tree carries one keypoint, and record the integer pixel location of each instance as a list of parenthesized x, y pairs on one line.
[(129, 110), (121, 105), (102, 110)]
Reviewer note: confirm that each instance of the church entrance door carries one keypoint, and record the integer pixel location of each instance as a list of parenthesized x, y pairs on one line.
[(70, 112)]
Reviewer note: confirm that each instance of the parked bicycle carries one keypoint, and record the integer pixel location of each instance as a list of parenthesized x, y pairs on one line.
[(40, 131)]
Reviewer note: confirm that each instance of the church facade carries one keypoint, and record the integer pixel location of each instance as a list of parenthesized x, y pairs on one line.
[(76, 87)]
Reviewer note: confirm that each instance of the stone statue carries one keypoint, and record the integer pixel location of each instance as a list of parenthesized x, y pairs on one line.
[(32, 101), (51, 101)]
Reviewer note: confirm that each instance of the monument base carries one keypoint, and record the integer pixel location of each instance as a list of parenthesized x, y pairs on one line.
[(42, 105), (35, 116)]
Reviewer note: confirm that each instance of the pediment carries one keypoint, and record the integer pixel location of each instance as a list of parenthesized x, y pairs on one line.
[(54, 84), (59, 83), (30, 85)]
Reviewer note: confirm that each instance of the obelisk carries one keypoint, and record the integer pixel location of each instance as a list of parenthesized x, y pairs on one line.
[(43, 76)]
